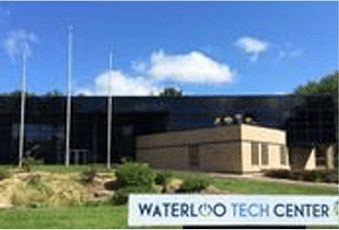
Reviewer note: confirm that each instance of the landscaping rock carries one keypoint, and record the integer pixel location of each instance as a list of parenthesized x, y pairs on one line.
[(5, 205), (173, 185), (158, 188), (28, 176)]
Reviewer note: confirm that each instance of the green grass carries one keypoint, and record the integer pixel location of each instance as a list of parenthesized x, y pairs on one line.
[(101, 217), (251, 186), (248, 186)]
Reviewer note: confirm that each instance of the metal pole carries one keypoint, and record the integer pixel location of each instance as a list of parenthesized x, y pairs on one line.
[(23, 97), (109, 114), (69, 95)]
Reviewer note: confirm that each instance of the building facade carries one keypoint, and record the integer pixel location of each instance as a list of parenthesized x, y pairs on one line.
[(237, 148), (308, 121)]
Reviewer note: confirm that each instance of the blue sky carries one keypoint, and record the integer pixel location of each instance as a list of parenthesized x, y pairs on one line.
[(205, 48)]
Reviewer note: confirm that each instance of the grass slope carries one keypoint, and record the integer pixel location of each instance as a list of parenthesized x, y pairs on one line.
[(102, 217)]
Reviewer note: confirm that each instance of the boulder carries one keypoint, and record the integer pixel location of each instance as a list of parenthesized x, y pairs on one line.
[(173, 185), (158, 188)]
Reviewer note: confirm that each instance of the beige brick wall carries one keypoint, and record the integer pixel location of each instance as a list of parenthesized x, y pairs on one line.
[(232, 156), (165, 158), (262, 134), (223, 157), (273, 137)]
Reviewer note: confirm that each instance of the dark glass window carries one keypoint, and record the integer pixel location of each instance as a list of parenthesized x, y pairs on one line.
[(283, 155), (264, 154), (255, 153), (193, 152)]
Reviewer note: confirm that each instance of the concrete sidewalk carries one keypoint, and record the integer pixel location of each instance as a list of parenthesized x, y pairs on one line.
[(262, 178)]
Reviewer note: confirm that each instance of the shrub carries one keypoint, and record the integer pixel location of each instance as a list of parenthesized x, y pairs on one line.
[(29, 162), (135, 174), (319, 175), (305, 175), (162, 177), (195, 184), (330, 176), (278, 173), (4, 174), (121, 195), (87, 176)]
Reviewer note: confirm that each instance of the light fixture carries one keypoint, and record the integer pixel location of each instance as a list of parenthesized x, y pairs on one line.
[(248, 120), (238, 117), (217, 120), (228, 120)]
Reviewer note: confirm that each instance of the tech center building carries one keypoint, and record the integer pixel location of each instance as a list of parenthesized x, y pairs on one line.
[(286, 131)]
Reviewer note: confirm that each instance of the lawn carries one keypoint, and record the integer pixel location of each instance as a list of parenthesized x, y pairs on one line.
[(101, 217), (106, 216)]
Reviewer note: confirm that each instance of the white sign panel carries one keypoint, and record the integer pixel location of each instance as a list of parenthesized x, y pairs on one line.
[(208, 210)]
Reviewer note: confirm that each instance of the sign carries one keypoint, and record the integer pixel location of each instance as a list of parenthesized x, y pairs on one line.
[(208, 210)]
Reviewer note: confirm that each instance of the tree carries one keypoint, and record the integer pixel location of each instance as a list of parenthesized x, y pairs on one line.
[(329, 83), (54, 93), (17, 94), (171, 92)]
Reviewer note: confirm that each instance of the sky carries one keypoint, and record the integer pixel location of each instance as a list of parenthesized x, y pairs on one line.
[(203, 48)]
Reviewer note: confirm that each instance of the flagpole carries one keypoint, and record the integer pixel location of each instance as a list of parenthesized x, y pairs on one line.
[(23, 98), (109, 112), (70, 30)]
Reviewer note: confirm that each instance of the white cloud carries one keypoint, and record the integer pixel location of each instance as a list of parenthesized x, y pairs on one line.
[(119, 84), (252, 46), (18, 41), (190, 68), (139, 67), (194, 67), (296, 53), (288, 52), (84, 91)]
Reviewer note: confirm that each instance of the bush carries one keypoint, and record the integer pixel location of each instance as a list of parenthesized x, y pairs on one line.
[(87, 176), (195, 184), (121, 195), (4, 174), (29, 162), (305, 175), (162, 177), (330, 176), (278, 173), (319, 175), (135, 174)]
